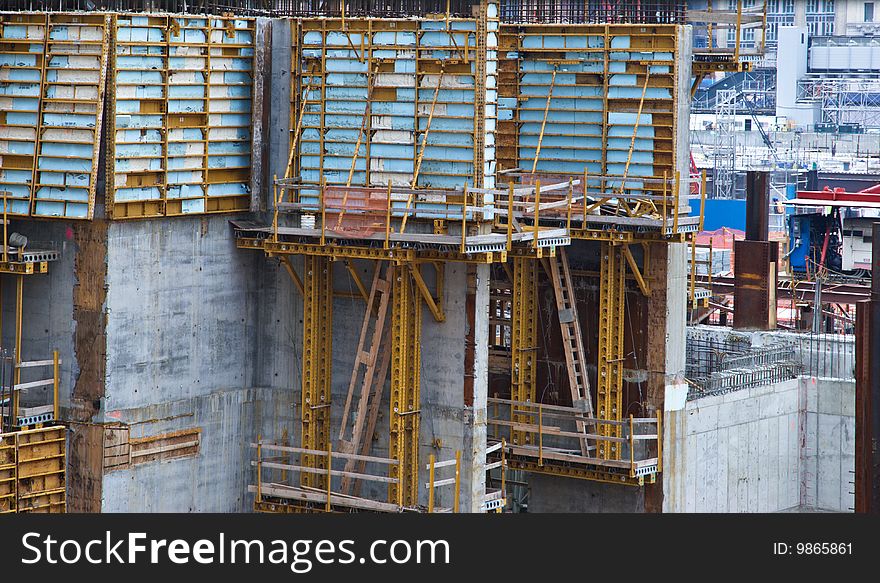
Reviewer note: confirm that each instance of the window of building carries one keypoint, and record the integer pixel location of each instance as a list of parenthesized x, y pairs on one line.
[(869, 12)]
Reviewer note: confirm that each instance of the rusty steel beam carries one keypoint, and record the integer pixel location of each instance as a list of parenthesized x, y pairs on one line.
[(832, 293), (757, 206), (754, 291), (867, 480)]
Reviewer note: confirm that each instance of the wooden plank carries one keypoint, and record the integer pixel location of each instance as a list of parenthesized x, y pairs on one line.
[(280, 491), (273, 447), (320, 471), (32, 411), (534, 407), (550, 454), (362, 357), (164, 448), (549, 430)]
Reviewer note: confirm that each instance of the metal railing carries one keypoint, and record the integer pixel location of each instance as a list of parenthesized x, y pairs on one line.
[(433, 483), (319, 463), (494, 500), (551, 431), (278, 8), (594, 11), (12, 413)]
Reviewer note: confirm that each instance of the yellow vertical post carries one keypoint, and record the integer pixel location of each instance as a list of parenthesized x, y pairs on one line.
[(55, 383), (665, 179), (537, 204), (329, 474), (259, 468), (739, 10), (570, 198), (464, 218), (584, 223), (709, 267), (709, 27), (399, 484), (275, 198), (456, 502), (510, 216), (323, 210), (677, 186), (431, 484)]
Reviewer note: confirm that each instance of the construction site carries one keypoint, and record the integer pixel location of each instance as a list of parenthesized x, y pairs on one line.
[(427, 256)]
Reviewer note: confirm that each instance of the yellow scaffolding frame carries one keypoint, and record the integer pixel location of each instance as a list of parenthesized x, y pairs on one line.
[(317, 363), (609, 383), (524, 340), (404, 415)]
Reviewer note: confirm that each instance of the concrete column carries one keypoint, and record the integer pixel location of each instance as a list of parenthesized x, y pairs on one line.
[(278, 92), (674, 389), (454, 383), (474, 426)]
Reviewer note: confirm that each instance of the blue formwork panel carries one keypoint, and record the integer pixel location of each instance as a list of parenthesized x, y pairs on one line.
[(184, 105), (584, 119), (404, 73), (21, 59), (69, 64)]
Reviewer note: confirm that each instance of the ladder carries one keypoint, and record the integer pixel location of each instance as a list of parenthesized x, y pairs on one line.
[(365, 369), (572, 343)]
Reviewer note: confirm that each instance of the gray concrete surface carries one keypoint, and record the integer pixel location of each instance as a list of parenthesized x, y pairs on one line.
[(737, 452)]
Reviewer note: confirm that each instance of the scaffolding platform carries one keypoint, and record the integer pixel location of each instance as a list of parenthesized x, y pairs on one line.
[(541, 438), (27, 262)]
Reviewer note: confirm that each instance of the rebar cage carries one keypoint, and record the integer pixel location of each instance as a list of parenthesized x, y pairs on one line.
[(514, 11)]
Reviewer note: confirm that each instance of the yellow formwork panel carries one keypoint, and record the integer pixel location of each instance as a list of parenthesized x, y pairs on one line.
[(32, 470)]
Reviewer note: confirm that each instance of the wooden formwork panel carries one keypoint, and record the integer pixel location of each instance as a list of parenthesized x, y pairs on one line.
[(32, 470), (180, 133)]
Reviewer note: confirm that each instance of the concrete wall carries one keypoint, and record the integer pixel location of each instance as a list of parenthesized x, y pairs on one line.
[(827, 432), (788, 446), (734, 453), (184, 337), (554, 494), (47, 307)]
